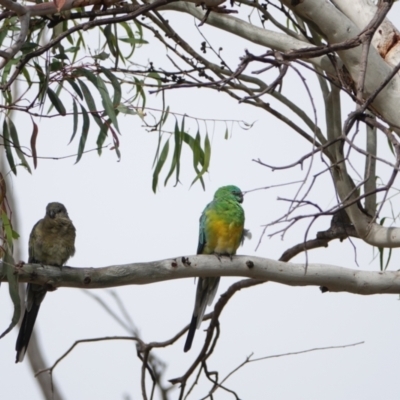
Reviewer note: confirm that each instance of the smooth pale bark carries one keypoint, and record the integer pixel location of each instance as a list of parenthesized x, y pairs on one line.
[(386, 39), (336, 279), (338, 28), (264, 37)]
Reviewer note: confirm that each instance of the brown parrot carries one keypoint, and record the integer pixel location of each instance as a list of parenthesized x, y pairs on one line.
[(51, 242)]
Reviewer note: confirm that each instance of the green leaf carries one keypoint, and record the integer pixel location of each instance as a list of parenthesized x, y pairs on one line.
[(110, 38), (134, 41), (56, 101), (164, 116), (115, 84), (101, 56), (43, 78), (61, 56), (90, 103), (207, 158), (27, 47), (27, 77), (12, 277), (101, 138), (84, 135), (198, 153), (7, 142), (126, 110), (3, 32), (390, 146), (115, 140), (130, 34), (56, 66), (89, 75), (75, 87), (154, 75), (107, 104), (33, 143), (160, 164), (72, 49), (75, 126), (17, 146), (7, 229), (140, 92), (175, 163), (7, 69)]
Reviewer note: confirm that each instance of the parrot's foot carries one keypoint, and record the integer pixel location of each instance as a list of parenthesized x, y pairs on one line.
[(223, 255), (217, 9), (20, 265)]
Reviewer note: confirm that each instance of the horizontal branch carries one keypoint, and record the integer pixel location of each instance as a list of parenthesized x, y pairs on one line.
[(334, 278), (238, 27)]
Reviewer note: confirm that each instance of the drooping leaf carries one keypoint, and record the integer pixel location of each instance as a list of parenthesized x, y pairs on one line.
[(134, 41), (110, 38), (57, 103), (27, 77), (101, 138), (7, 143), (75, 125), (17, 147), (116, 141), (75, 87), (107, 103), (130, 34), (84, 134), (34, 136), (175, 163), (90, 103), (126, 110), (115, 84), (89, 75), (101, 56), (207, 158), (159, 165), (198, 153)]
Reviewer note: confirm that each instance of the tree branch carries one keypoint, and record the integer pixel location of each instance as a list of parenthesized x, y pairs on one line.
[(337, 279)]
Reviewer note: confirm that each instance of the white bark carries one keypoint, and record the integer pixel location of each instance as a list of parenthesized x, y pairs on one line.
[(386, 38), (338, 28), (336, 279), (263, 37)]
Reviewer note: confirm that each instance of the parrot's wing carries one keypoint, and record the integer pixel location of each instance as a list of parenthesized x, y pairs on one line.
[(202, 231)]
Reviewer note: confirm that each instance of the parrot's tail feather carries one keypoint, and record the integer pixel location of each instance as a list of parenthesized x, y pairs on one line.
[(25, 331), (213, 291), (190, 335), (205, 293)]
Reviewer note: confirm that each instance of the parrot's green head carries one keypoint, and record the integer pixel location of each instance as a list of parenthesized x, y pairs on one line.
[(231, 191)]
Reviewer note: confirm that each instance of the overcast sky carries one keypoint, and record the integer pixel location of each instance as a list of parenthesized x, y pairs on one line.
[(120, 220)]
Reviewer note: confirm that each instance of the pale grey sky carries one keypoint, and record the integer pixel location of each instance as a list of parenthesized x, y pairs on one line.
[(119, 220)]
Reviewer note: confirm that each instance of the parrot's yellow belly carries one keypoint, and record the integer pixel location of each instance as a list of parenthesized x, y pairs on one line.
[(222, 237)]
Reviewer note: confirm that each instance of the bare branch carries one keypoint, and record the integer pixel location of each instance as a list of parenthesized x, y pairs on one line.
[(24, 16), (336, 278)]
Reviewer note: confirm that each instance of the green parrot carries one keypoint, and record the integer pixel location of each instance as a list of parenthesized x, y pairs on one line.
[(221, 232)]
